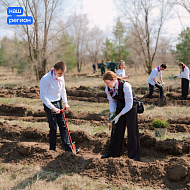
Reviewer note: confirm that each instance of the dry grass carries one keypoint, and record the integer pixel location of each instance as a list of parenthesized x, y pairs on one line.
[(138, 78), (151, 111), (87, 127), (31, 177), (90, 129), (167, 112), (178, 136), (75, 105)]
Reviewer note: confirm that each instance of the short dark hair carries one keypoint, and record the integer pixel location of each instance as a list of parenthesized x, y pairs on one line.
[(163, 66), (60, 65)]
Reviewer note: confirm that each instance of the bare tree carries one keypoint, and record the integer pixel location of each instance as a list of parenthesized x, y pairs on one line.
[(185, 4), (147, 18), (94, 43), (78, 31), (37, 36)]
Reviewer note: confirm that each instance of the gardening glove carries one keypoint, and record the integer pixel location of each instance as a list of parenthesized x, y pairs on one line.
[(175, 77), (159, 85), (116, 118), (110, 116), (162, 83)]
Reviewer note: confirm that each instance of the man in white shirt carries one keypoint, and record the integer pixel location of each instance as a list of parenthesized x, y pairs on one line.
[(152, 81), (52, 90)]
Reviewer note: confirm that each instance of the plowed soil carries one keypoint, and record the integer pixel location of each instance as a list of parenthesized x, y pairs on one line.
[(164, 164), (98, 95), (12, 112)]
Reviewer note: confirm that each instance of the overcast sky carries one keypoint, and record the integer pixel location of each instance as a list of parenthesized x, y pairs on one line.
[(103, 13)]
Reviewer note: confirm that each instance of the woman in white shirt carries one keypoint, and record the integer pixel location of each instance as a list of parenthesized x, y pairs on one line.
[(52, 90), (120, 96), (121, 70), (184, 75)]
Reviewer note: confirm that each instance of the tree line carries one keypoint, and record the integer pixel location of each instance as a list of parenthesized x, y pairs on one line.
[(137, 37)]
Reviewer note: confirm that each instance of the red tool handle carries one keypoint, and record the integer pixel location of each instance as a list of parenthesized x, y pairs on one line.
[(72, 145)]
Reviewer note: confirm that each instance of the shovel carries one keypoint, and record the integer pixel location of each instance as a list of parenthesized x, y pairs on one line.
[(73, 147)]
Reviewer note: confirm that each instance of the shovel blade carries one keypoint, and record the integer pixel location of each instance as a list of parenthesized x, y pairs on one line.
[(74, 149)]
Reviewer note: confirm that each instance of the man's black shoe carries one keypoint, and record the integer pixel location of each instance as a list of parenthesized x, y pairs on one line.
[(105, 156)]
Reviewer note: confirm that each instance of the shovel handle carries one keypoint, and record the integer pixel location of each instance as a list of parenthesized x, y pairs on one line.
[(72, 145)]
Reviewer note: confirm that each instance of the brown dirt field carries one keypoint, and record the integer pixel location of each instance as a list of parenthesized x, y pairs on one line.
[(97, 94), (12, 112), (164, 164)]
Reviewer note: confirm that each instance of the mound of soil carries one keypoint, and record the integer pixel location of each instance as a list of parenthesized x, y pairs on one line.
[(17, 133), (30, 146), (97, 94), (12, 109)]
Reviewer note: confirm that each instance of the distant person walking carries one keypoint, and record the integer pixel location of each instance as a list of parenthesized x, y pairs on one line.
[(184, 75), (152, 81), (94, 68), (103, 67), (52, 90), (99, 66), (121, 71), (113, 66), (108, 65)]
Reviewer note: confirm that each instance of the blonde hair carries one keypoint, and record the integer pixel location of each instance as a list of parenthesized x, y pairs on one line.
[(110, 75), (120, 65)]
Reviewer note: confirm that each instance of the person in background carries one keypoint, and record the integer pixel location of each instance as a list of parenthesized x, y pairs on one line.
[(121, 71), (152, 81), (117, 65), (121, 101), (113, 66), (184, 75), (94, 68), (103, 67), (108, 65), (52, 90), (99, 65)]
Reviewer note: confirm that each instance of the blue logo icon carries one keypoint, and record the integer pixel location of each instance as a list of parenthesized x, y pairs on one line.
[(15, 11), (18, 20)]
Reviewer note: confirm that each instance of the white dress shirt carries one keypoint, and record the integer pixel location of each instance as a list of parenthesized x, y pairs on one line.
[(128, 96), (52, 89), (184, 73), (120, 72), (154, 74)]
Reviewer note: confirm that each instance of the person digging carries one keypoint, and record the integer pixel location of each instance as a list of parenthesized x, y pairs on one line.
[(152, 81), (52, 90)]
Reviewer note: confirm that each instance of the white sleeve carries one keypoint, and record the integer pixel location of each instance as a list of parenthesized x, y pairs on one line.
[(63, 93), (128, 95), (112, 102), (44, 83), (184, 74), (160, 74), (117, 72)]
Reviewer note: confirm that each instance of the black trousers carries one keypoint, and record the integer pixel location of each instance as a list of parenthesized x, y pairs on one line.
[(54, 120), (103, 71), (151, 90), (185, 88), (115, 146)]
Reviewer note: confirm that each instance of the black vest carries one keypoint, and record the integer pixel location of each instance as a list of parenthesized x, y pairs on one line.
[(120, 97)]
